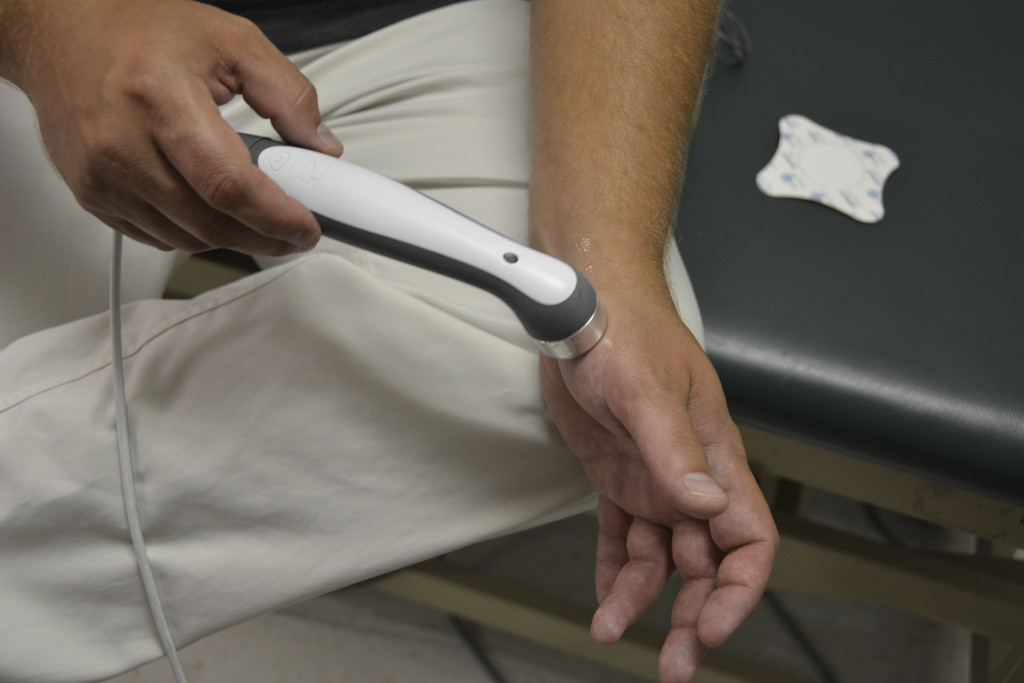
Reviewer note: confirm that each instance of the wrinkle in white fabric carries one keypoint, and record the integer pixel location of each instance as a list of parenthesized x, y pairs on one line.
[(331, 418)]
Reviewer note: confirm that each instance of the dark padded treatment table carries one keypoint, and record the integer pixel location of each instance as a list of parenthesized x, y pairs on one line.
[(901, 341)]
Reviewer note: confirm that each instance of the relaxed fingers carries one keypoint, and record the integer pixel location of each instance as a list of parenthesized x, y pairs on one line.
[(639, 582), (748, 534), (680, 656), (612, 552), (683, 651)]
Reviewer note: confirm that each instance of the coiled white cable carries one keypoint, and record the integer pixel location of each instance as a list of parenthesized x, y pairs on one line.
[(125, 460)]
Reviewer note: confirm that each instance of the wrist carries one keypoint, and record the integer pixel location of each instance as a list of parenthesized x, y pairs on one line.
[(616, 239), (621, 271)]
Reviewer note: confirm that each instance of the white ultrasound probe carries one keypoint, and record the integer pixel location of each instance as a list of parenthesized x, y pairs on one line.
[(556, 303)]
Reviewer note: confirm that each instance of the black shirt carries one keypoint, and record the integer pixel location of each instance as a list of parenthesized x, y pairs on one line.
[(304, 24)]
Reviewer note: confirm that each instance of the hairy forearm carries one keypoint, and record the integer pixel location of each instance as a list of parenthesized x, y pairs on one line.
[(614, 89)]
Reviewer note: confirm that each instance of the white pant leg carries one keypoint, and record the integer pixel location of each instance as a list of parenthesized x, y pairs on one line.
[(311, 426)]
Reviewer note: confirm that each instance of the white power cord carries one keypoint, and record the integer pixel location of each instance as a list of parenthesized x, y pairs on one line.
[(124, 453)]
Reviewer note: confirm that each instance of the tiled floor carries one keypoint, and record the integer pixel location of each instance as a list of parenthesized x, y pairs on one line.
[(361, 635)]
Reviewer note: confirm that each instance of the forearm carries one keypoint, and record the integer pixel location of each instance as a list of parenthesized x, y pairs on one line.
[(614, 89)]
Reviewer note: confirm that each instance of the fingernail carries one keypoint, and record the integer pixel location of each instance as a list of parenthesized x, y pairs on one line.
[(700, 484), (327, 137)]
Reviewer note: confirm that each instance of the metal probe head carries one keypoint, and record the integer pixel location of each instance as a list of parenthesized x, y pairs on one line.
[(580, 342)]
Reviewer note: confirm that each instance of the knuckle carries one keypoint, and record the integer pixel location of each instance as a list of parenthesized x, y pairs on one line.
[(144, 85), (238, 28), (234, 38), (306, 98), (221, 188)]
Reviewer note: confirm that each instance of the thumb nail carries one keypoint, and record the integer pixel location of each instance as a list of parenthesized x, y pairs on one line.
[(327, 137), (700, 484)]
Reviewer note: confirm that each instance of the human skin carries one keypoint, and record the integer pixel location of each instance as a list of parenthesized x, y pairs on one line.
[(126, 92), (614, 91)]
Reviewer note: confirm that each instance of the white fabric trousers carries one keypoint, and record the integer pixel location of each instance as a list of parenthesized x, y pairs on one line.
[(334, 417)]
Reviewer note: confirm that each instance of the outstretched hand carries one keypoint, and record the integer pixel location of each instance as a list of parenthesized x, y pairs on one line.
[(127, 95), (645, 414)]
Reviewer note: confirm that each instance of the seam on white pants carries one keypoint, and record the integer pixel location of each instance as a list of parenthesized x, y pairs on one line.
[(202, 305)]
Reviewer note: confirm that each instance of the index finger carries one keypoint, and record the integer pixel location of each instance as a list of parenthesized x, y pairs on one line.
[(747, 534), (214, 161), (276, 90)]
